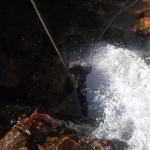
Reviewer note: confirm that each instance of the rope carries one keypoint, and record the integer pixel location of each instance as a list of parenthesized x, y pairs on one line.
[(40, 17), (120, 11), (116, 14)]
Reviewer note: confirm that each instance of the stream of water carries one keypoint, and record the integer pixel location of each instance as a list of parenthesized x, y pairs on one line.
[(126, 98)]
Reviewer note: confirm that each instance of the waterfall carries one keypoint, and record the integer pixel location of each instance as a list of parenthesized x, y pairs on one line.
[(126, 99)]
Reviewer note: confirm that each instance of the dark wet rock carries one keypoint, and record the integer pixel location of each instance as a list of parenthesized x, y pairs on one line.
[(39, 79), (114, 35), (28, 131), (29, 62), (37, 125), (15, 140), (69, 142), (42, 132), (143, 23), (5, 126)]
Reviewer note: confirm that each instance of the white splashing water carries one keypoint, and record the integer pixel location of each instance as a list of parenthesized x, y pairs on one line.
[(127, 109)]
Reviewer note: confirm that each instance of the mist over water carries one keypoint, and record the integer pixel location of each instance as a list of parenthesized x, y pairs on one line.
[(126, 97)]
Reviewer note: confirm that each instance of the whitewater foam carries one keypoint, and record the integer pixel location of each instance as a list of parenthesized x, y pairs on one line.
[(127, 99)]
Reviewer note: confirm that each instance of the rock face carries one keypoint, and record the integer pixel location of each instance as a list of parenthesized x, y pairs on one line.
[(28, 60), (68, 142), (143, 23), (42, 132), (28, 131)]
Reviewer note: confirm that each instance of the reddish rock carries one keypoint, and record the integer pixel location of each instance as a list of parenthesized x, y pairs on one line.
[(37, 125), (143, 23), (69, 142), (28, 131), (42, 132)]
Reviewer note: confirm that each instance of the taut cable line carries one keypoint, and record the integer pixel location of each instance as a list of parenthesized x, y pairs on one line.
[(110, 21), (40, 17)]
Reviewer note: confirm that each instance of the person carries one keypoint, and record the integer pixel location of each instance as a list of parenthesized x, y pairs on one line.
[(78, 70)]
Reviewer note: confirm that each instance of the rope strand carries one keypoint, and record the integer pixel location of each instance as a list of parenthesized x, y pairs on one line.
[(116, 14), (120, 11), (40, 17)]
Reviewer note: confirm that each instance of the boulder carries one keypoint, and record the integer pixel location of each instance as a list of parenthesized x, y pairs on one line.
[(143, 22), (69, 142), (28, 131), (42, 132)]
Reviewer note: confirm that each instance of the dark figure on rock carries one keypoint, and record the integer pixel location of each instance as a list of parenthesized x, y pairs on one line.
[(78, 71)]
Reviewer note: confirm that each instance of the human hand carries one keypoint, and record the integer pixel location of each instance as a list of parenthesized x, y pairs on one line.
[(75, 86)]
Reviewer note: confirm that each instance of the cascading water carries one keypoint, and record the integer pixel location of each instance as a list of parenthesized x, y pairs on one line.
[(126, 99)]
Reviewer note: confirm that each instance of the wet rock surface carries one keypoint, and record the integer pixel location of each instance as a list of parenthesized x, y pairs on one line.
[(28, 60), (143, 23), (32, 75), (42, 132)]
